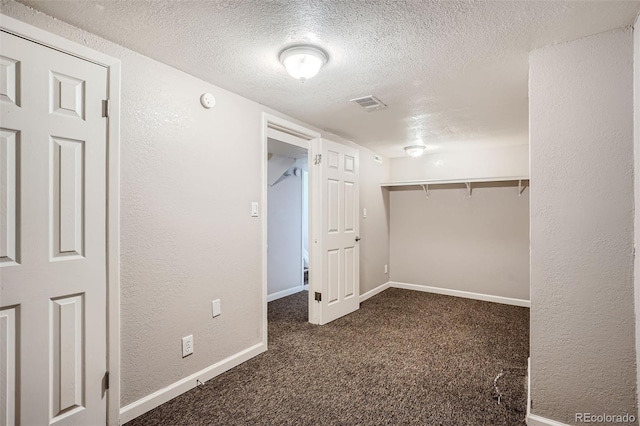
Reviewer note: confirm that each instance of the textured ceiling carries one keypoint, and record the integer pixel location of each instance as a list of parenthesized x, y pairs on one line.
[(453, 73)]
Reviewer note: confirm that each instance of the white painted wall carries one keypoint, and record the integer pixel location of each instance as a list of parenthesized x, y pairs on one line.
[(305, 214), (636, 167), (186, 232), (278, 164), (478, 244), (494, 162), (374, 230), (582, 315), (284, 234)]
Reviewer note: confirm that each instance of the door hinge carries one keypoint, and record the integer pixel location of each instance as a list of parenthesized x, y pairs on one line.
[(317, 159), (106, 380), (318, 297), (105, 108)]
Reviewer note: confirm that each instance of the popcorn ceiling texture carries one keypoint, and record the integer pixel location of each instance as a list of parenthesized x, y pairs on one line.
[(453, 73), (582, 207)]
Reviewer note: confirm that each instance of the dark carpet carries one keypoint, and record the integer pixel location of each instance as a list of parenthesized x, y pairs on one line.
[(404, 358)]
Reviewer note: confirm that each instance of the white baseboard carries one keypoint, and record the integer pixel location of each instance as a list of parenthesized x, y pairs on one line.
[(163, 395), (287, 292), (373, 292), (460, 293), (532, 419), (528, 386)]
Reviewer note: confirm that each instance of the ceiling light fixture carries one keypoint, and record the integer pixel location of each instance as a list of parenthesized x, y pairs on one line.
[(303, 62), (415, 150)]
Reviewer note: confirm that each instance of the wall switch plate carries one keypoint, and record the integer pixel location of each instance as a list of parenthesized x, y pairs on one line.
[(386, 269), (364, 213), (187, 345), (254, 209), (215, 308)]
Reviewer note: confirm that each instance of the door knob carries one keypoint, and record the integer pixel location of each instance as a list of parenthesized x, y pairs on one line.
[(357, 238)]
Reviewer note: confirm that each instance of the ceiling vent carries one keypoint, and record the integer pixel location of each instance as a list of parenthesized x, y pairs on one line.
[(369, 103)]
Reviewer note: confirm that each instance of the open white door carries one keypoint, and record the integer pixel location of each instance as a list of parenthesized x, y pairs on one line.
[(53, 318), (340, 225)]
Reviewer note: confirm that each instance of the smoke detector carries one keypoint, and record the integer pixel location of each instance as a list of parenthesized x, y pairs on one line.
[(369, 103)]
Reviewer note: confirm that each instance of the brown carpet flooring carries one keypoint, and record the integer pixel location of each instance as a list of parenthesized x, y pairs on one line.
[(404, 358)]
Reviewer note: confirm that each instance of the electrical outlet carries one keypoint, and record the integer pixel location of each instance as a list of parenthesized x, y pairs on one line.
[(386, 269), (215, 308), (187, 345)]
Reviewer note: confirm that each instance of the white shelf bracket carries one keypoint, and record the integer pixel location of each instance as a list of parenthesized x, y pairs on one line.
[(426, 190), (521, 188), (468, 188)]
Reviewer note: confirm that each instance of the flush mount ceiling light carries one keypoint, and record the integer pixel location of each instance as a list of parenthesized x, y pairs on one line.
[(303, 62), (415, 150)]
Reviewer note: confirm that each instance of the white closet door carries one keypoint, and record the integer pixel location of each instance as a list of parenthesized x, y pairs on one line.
[(53, 244)]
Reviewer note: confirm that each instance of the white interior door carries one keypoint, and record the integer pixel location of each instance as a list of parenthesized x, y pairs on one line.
[(52, 236), (340, 225)]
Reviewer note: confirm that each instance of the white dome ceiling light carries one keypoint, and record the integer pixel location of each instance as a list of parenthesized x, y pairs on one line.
[(415, 150), (303, 62)]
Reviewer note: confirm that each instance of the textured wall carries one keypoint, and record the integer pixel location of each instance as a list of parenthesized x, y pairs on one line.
[(478, 244), (636, 166), (481, 163), (582, 315), (284, 255), (186, 232), (305, 213)]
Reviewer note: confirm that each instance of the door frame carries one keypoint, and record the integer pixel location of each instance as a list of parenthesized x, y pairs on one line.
[(273, 122), (112, 203)]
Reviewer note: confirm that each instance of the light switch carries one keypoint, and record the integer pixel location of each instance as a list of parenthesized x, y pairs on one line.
[(254, 209), (364, 213), (215, 308)]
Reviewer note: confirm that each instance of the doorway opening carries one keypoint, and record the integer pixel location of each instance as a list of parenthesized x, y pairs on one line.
[(333, 205), (293, 149), (287, 219)]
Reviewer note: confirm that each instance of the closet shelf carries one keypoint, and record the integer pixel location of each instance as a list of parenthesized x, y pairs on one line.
[(523, 182), (448, 181)]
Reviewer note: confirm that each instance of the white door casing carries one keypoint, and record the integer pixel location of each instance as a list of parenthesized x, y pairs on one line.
[(311, 137), (339, 234), (53, 260)]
